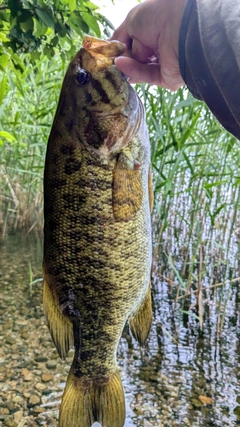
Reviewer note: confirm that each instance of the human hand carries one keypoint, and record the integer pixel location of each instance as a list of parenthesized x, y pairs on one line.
[(151, 32)]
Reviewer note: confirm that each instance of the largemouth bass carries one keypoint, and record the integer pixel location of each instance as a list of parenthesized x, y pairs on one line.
[(97, 233)]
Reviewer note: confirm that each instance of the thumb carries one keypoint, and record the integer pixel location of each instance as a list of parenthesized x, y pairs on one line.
[(139, 72)]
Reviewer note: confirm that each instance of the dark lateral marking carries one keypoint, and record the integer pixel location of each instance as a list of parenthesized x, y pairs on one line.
[(51, 224), (97, 85), (88, 97), (72, 166), (56, 183), (55, 158), (68, 150), (56, 134), (70, 198), (74, 201), (74, 102), (54, 271), (75, 235), (110, 78), (70, 124), (62, 107), (98, 264)]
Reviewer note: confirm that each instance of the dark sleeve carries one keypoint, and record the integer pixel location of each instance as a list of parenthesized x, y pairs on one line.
[(209, 56)]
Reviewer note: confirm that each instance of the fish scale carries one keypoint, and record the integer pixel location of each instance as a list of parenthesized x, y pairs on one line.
[(97, 232)]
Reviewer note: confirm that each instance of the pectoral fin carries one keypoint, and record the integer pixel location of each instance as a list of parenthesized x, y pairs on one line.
[(60, 326), (127, 193), (141, 321)]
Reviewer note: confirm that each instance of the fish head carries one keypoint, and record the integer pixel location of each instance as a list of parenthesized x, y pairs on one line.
[(98, 97)]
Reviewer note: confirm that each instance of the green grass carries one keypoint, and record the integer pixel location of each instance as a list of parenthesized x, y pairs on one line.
[(27, 108)]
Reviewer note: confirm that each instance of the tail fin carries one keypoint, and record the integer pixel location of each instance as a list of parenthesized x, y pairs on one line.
[(140, 323), (88, 400)]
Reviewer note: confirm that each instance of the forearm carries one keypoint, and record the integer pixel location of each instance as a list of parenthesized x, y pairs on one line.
[(209, 57)]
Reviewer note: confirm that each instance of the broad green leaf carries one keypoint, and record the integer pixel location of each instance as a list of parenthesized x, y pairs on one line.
[(106, 21), (237, 182), (72, 5), (27, 25), (40, 28), (3, 37), (46, 16), (3, 84), (76, 22), (92, 23), (48, 51), (91, 5), (15, 7), (4, 16), (8, 136), (4, 59)]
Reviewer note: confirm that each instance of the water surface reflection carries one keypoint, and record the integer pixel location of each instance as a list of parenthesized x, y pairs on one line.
[(184, 377)]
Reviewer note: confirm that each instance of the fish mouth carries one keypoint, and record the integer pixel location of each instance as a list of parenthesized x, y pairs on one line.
[(114, 143), (103, 50), (118, 110), (125, 110)]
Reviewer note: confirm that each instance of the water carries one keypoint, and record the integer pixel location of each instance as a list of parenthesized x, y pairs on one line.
[(184, 377)]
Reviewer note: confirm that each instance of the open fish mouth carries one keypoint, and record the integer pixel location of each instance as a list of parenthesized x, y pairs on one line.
[(105, 48), (109, 50)]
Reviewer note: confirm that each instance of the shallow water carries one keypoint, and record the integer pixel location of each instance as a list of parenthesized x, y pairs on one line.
[(165, 384)]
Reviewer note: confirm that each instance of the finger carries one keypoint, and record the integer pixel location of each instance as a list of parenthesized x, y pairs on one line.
[(148, 73), (122, 35), (138, 72), (140, 52)]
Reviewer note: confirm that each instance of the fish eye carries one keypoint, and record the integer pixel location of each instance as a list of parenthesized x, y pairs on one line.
[(82, 76)]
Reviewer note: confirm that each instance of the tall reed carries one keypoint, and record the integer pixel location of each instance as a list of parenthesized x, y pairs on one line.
[(196, 182)]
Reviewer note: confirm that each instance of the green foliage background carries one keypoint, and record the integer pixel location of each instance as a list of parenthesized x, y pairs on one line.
[(46, 26)]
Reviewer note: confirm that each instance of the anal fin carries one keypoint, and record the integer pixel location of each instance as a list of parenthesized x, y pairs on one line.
[(141, 321), (60, 326)]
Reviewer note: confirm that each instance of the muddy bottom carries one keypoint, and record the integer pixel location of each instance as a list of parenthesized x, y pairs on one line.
[(184, 377)]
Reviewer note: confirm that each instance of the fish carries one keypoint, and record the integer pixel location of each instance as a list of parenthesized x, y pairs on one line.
[(97, 257)]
